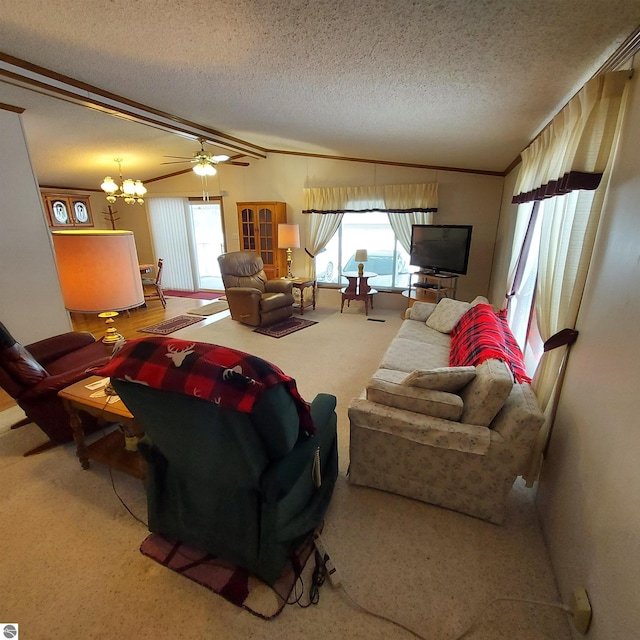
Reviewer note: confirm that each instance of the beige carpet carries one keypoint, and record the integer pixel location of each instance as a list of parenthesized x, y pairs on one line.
[(71, 565)]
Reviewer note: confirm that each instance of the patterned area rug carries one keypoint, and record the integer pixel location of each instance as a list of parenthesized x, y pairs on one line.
[(169, 326), (233, 583), (285, 327)]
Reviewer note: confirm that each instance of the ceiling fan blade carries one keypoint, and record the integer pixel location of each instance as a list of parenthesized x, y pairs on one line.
[(175, 162), (180, 157), (239, 164)]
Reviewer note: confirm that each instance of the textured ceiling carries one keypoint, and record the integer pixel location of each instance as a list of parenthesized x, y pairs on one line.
[(460, 83)]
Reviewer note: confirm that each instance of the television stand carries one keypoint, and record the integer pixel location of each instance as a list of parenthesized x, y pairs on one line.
[(431, 287)]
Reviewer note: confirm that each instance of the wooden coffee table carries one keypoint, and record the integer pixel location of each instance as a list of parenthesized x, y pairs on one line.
[(110, 449)]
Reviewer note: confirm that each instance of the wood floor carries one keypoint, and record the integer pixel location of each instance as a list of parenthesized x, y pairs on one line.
[(129, 326)]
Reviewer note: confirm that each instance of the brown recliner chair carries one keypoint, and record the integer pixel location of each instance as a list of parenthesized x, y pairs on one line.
[(252, 298), (34, 374)]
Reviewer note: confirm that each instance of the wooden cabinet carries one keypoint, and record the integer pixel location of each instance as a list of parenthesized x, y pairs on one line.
[(258, 226), (68, 211)]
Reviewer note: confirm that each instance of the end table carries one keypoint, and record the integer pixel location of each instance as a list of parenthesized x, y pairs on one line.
[(110, 449)]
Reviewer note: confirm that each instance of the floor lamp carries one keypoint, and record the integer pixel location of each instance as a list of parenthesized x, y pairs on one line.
[(288, 237), (117, 286)]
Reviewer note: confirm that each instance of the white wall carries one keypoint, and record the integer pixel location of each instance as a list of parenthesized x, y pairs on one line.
[(464, 198), (589, 494), (30, 300)]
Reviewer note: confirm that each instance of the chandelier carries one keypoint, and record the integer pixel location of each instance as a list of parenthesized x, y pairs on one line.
[(131, 190)]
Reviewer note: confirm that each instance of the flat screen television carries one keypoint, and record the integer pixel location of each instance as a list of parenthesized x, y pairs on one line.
[(440, 248)]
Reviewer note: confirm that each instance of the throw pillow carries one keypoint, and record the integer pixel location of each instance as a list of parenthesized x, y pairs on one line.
[(437, 404), (441, 379), (446, 314)]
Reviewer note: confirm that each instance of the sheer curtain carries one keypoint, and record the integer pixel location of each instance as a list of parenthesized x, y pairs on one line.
[(170, 232), (567, 164)]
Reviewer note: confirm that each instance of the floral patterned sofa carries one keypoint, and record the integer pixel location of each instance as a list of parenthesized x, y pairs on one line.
[(449, 417)]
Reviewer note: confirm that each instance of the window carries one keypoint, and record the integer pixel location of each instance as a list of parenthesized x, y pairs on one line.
[(385, 255)]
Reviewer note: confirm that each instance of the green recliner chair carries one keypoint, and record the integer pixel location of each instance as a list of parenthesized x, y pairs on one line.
[(243, 486)]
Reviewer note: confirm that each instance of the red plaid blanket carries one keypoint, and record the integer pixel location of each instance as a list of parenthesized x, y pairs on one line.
[(231, 378), (479, 335)]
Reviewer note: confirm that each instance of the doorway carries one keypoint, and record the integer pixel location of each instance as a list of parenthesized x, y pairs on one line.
[(208, 242)]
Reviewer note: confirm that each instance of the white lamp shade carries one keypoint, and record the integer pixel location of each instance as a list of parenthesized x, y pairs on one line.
[(361, 255), (98, 270), (288, 236)]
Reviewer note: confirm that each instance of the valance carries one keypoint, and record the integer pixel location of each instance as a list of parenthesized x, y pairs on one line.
[(392, 198), (573, 150)]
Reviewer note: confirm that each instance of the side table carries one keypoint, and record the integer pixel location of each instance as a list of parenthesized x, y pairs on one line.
[(111, 449), (301, 284), (358, 289)]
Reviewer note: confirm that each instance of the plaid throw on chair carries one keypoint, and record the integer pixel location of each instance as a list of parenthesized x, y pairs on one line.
[(228, 377)]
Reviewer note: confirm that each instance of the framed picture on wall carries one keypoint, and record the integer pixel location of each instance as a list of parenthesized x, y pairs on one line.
[(68, 211)]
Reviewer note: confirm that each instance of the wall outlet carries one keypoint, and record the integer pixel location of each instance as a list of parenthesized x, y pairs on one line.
[(581, 610)]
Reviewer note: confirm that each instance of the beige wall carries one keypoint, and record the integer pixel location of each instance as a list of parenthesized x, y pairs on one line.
[(30, 300), (463, 199)]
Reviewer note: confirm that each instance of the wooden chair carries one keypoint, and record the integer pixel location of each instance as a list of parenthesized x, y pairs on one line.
[(152, 287)]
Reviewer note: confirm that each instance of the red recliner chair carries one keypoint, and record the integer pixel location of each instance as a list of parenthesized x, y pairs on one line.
[(34, 374)]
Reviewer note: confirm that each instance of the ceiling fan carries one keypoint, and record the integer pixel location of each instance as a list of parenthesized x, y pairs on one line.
[(204, 164)]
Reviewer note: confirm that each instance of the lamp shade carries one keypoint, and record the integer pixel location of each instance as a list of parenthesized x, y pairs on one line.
[(361, 255), (288, 236), (98, 270)]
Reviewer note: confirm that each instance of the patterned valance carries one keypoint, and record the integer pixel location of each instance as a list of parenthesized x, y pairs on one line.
[(392, 198), (573, 150)]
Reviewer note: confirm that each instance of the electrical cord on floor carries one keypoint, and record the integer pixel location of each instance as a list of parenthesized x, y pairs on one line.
[(339, 586), (317, 580), (113, 484), (122, 502), (469, 628)]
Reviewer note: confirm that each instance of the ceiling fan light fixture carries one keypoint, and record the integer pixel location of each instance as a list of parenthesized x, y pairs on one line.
[(204, 168)]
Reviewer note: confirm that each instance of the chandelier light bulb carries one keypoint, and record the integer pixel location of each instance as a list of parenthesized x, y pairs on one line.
[(109, 185), (131, 191)]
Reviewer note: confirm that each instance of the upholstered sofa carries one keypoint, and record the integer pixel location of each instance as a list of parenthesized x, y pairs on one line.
[(455, 436)]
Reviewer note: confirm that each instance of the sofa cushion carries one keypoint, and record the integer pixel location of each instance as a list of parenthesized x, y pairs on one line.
[(440, 379), (446, 314), (485, 395), (407, 355), (426, 401), (418, 331)]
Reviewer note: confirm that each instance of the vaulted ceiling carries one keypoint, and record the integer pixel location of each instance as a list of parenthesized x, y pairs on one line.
[(461, 83)]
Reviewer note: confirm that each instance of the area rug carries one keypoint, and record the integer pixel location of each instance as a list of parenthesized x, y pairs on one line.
[(233, 583), (169, 326), (198, 295), (209, 309), (285, 327)]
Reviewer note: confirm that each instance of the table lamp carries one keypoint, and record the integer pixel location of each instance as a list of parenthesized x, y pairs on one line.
[(112, 256), (288, 237), (361, 256)]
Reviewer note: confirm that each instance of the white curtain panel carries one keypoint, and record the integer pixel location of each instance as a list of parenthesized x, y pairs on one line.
[(573, 150), (170, 232)]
